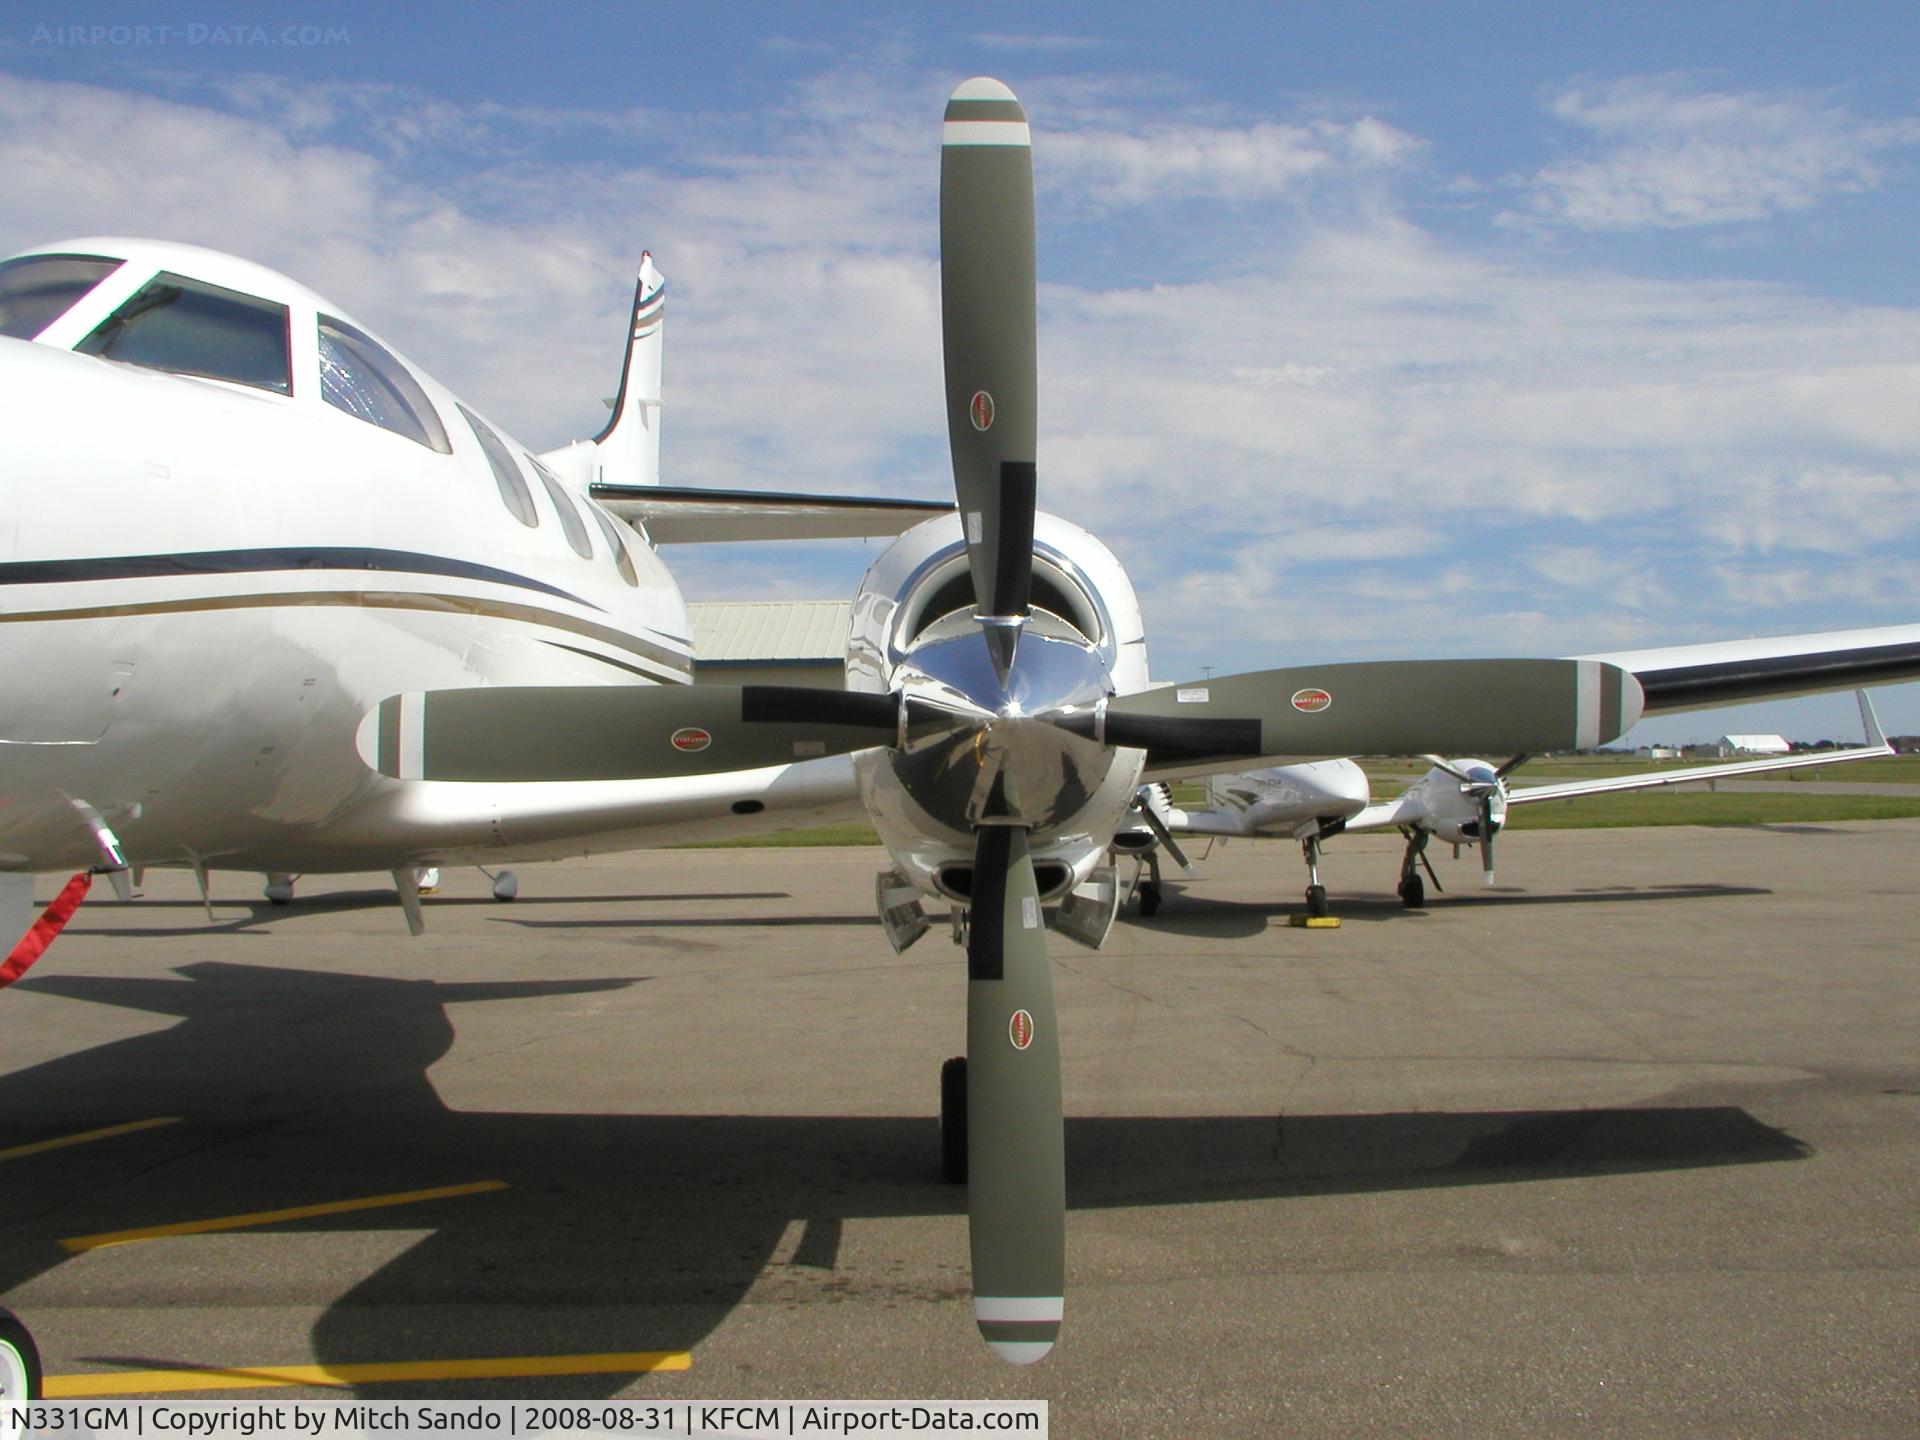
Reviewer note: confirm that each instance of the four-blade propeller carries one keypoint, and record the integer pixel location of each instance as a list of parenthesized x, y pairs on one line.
[(1025, 717)]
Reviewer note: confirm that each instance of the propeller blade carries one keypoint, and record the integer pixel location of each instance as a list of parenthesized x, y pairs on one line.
[(1016, 1155), (1440, 762), (1486, 838), (1162, 834), (617, 732), (1165, 737), (1388, 707), (987, 320)]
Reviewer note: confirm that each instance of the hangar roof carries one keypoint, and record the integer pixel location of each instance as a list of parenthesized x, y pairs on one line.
[(1758, 744), (770, 630)]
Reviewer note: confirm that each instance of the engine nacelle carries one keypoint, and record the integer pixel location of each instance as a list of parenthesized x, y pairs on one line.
[(1135, 836), (913, 632), (1453, 813)]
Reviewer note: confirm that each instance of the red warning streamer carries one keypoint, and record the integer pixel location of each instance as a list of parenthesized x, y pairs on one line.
[(51, 922)]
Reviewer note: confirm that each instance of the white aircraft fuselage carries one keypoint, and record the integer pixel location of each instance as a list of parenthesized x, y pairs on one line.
[(192, 620)]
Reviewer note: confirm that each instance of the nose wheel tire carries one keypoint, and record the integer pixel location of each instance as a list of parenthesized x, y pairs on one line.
[(1413, 892), (1316, 902), (1149, 898), (953, 1120), (20, 1373)]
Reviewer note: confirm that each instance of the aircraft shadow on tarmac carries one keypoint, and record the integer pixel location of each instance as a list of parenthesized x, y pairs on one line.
[(258, 913), (617, 1232), (1186, 911)]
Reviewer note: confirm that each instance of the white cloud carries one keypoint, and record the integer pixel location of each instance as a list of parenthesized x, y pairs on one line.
[(1671, 154), (1042, 44), (1371, 442), (1238, 163), (1829, 510), (1604, 452)]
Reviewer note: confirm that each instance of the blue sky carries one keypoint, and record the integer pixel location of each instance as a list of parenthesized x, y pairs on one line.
[(1367, 331)]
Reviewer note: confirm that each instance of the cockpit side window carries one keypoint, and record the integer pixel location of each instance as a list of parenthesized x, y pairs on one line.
[(571, 524), (610, 528), (189, 327), (36, 290), (362, 377), (513, 485)]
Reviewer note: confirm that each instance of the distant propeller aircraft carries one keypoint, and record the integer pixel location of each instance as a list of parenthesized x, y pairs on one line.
[(998, 712), (1461, 802)]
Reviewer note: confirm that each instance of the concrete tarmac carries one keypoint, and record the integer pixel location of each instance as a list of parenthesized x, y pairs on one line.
[(1628, 1146)]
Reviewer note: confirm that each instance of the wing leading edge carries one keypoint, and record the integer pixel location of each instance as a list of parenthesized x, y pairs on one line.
[(1876, 746), (1404, 809), (685, 515), (1705, 677)]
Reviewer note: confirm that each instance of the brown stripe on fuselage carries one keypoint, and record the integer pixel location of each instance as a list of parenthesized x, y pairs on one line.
[(672, 665)]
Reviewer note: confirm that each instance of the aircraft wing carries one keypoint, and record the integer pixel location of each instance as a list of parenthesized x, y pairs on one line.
[(1385, 814), (675, 515), (1692, 775), (1207, 822), (1400, 810), (1705, 677), (1875, 747), (454, 822)]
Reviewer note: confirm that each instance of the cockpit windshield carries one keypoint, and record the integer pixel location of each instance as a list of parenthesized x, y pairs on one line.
[(36, 290), (189, 327)]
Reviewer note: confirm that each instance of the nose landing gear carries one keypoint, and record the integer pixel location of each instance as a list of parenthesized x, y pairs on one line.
[(1316, 916)]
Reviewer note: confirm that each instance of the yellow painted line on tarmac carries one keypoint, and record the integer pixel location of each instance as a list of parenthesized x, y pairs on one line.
[(86, 1137), (273, 1217), (255, 1377)]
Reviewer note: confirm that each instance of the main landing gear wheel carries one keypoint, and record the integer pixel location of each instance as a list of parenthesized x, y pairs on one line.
[(280, 888), (20, 1373), (953, 1120), (1149, 898), (1316, 892), (1413, 890)]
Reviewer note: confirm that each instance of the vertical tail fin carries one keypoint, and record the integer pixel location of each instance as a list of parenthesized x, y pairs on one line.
[(627, 452), (1869, 721), (1216, 792)]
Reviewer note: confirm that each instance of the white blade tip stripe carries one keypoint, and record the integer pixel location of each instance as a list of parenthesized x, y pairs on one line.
[(413, 736), (986, 132), (982, 87), (1020, 1352), (1587, 702), (1018, 1308)]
